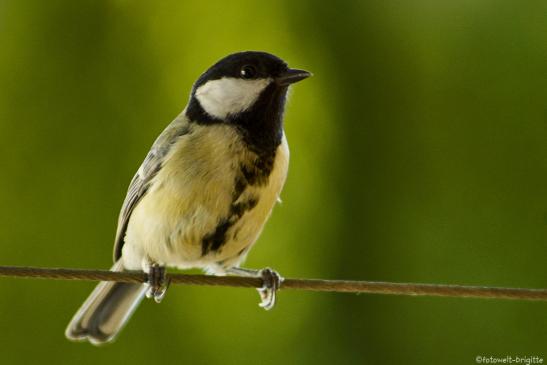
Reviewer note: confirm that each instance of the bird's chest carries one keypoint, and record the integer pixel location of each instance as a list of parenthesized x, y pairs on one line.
[(210, 200)]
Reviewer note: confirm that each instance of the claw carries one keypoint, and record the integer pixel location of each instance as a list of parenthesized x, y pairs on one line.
[(157, 283), (271, 283)]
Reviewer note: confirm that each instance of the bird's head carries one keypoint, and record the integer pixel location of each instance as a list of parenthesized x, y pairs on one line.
[(239, 82)]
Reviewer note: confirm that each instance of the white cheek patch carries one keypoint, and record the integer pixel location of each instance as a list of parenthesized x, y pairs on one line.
[(228, 95)]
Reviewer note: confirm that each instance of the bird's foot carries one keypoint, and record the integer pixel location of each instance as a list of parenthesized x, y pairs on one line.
[(157, 283), (271, 283)]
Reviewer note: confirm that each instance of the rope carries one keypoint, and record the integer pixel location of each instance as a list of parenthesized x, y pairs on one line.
[(340, 286)]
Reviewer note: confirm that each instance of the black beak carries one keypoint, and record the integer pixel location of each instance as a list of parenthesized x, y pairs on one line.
[(291, 76)]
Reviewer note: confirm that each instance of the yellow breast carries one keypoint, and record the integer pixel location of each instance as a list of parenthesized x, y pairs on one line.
[(191, 195)]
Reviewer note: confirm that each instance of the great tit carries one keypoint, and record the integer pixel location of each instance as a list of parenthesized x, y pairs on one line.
[(204, 191)]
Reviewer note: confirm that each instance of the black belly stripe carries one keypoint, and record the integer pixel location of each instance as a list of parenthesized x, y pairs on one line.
[(215, 240), (256, 173)]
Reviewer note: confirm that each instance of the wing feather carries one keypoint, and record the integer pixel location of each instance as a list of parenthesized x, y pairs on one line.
[(144, 177)]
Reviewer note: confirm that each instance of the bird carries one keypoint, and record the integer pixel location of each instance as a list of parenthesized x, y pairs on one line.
[(205, 190)]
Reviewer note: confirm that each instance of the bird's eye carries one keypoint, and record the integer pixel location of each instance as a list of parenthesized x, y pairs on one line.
[(248, 72)]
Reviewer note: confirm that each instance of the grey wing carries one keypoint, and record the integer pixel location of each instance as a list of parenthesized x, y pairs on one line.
[(143, 178)]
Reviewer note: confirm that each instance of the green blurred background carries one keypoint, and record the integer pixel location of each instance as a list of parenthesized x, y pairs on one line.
[(418, 154)]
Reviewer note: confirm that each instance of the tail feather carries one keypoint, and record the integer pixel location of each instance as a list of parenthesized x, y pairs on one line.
[(106, 311)]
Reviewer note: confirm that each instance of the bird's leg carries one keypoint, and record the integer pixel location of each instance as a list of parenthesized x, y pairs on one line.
[(157, 283), (271, 283)]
